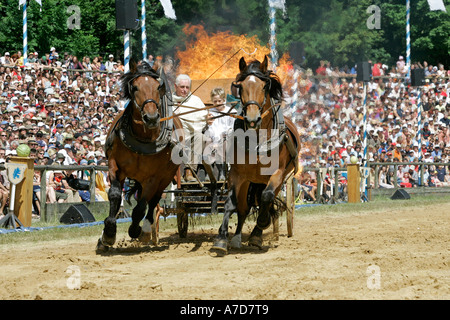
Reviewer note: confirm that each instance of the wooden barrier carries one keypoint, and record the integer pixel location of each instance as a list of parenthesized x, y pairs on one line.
[(23, 204), (353, 183)]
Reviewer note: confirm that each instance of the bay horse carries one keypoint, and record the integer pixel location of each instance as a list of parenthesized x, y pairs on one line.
[(249, 184), (138, 147)]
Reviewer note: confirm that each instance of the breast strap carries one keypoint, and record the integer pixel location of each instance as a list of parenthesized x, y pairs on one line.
[(144, 147)]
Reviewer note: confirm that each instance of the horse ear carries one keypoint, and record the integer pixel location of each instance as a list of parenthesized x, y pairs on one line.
[(263, 66), (162, 77), (157, 64), (133, 66), (242, 64)]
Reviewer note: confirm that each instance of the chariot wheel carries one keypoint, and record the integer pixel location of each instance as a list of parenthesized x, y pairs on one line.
[(182, 221), (290, 206)]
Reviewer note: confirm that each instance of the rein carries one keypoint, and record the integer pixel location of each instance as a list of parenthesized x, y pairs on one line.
[(144, 103), (265, 113), (222, 114), (206, 108), (196, 110)]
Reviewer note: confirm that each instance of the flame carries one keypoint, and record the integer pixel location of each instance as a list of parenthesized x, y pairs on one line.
[(206, 53), (206, 56)]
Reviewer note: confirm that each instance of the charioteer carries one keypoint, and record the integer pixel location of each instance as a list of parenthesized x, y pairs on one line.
[(193, 122)]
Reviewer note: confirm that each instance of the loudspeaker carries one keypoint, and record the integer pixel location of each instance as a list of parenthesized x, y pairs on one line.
[(400, 194), (363, 71), (126, 14), (77, 213), (417, 77)]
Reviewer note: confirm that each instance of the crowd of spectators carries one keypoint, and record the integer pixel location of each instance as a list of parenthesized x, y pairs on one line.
[(329, 113), (62, 108)]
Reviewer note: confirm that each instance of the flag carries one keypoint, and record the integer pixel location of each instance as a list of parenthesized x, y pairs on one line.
[(22, 2), (168, 9), (437, 5), (277, 4)]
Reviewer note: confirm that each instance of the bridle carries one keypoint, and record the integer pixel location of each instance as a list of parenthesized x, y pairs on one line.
[(161, 90), (237, 84)]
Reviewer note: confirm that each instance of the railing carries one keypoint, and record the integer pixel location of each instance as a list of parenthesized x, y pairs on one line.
[(374, 176), (421, 165), (43, 184), (334, 172)]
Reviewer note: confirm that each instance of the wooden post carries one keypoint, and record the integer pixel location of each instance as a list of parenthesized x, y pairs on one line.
[(290, 204), (353, 183), (92, 185), (23, 200), (276, 229), (43, 206)]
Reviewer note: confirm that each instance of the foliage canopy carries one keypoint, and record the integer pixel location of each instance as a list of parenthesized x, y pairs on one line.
[(333, 30)]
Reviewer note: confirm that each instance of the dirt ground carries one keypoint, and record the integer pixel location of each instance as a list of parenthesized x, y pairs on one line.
[(383, 255)]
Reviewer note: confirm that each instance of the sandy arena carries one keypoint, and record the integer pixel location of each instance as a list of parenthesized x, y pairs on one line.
[(401, 254)]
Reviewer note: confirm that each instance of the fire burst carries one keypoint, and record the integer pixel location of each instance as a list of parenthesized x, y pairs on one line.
[(205, 53)]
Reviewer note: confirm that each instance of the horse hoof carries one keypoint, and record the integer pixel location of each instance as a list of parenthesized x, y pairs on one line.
[(101, 248), (255, 242), (145, 237), (135, 232), (155, 238), (148, 233), (107, 241), (236, 242), (220, 245)]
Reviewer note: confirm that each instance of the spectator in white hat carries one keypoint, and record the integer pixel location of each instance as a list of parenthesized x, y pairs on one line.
[(110, 63), (6, 59)]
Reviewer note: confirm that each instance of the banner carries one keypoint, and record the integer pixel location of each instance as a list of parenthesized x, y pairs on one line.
[(168, 9), (16, 172), (277, 4), (436, 5), (22, 2)]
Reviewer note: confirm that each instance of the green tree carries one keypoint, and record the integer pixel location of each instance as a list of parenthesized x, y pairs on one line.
[(333, 30), (430, 31)]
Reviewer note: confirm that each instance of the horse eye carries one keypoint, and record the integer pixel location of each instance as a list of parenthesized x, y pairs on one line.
[(134, 88)]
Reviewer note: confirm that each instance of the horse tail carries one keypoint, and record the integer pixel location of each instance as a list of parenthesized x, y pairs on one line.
[(278, 206), (254, 198), (135, 190)]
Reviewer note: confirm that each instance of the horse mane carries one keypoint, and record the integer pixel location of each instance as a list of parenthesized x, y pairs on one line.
[(273, 83), (143, 68)]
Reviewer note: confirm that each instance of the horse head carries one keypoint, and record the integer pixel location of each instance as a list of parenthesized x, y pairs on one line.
[(257, 85), (144, 86)]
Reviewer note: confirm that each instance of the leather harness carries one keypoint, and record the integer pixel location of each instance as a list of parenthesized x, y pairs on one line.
[(275, 142), (123, 130)]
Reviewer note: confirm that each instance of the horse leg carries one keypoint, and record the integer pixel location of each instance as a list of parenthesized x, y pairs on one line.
[(221, 241), (265, 210), (109, 232), (243, 209), (136, 216), (149, 230), (236, 241), (213, 187)]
